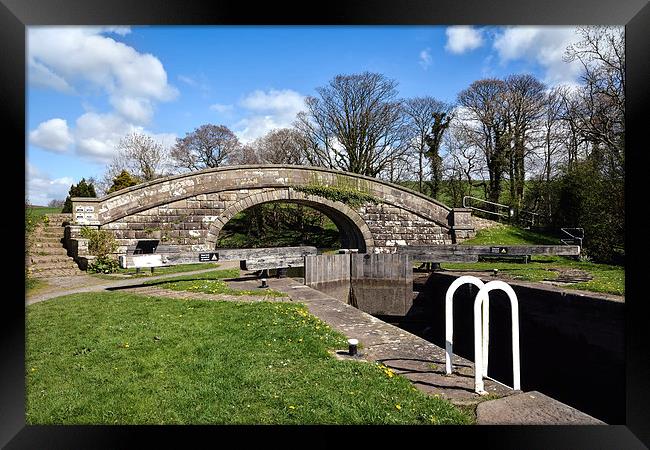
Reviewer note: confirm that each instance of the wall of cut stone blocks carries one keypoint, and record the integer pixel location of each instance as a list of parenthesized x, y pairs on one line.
[(183, 223), (392, 227), (186, 223)]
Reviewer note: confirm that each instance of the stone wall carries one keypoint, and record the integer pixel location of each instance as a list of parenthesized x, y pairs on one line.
[(376, 283), (392, 227), (188, 211), (184, 223)]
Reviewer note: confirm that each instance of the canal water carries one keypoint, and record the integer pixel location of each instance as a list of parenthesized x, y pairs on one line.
[(560, 361)]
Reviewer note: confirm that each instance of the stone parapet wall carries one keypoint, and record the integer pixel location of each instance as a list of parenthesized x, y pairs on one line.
[(187, 223), (393, 227), (189, 210), (183, 223)]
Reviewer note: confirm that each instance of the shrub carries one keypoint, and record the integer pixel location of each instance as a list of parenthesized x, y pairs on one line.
[(103, 264), (101, 243)]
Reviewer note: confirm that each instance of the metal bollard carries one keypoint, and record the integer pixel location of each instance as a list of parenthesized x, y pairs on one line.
[(352, 350)]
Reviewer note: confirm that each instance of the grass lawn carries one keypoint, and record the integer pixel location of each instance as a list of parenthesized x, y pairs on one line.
[(211, 283), (38, 212), (116, 358), (146, 272), (33, 285), (509, 235), (606, 278)]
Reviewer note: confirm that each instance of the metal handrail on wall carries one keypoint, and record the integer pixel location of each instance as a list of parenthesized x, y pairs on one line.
[(481, 328), (510, 213), (573, 238)]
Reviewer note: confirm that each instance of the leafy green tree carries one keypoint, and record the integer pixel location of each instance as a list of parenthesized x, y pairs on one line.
[(123, 181), (82, 189)]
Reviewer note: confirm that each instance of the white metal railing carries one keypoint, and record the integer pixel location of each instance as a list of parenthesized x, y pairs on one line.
[(573, 238), (481, 329), (525, 216), (482, 299), (449, 317), (509, 214)]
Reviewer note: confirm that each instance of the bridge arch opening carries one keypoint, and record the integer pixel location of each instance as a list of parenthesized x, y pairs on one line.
[(352, 229), (347, 234)]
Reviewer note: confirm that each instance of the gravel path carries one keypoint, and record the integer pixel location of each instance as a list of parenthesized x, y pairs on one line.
[(58, 286)]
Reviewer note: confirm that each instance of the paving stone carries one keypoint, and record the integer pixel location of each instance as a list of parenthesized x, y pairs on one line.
[(531, 408)]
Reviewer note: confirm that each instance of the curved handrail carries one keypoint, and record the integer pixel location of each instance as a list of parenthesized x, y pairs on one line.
[(479, 371), (449, 316)]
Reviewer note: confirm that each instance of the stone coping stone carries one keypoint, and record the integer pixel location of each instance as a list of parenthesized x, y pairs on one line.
[(531, 408)]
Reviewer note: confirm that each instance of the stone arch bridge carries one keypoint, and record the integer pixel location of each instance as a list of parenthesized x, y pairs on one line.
[(188, 211)]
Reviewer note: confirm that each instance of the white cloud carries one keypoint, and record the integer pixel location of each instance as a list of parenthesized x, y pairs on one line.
[(85, 60), (69, 56), (52, 135), (543, 45), (200, 82), (40, 75), (251, 128), (41, 189), (122, 31), (278, 101), (274, 109), (425, 58), (98, 135), (461, 39), (138, 110), (221, 108)]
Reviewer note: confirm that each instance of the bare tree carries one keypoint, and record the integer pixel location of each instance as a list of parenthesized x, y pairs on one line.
[(554, 131), (484, 121), (423, 120), (571, 117), (602, 55), (463, 163), (281, 146), (206, 146), (355, 124), (56, 203), (246, 154), (142, 156), (524, 105), (138, 154)]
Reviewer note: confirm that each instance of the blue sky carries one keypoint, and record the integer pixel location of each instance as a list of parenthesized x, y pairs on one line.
[(89, 86)]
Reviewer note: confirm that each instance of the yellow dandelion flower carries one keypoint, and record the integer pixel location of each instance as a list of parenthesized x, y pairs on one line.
[(399, 408)]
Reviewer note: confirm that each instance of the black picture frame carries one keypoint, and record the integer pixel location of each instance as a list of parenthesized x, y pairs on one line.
[(16, 15)]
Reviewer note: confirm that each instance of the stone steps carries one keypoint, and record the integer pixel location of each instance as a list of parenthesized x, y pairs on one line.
[(40, 236), (50, 230), (57, 217), (69, 264), (45, 259), (35, 245), (56, 273), (37, 239), (47, 256), (46, 251)]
